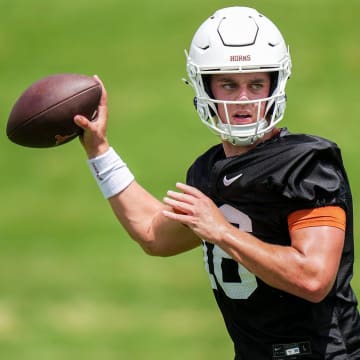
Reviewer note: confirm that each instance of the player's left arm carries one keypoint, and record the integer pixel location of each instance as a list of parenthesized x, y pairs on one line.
[(318, 251), (307, 268)]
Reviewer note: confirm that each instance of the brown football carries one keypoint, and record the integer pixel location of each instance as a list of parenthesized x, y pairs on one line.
[(43, 115)]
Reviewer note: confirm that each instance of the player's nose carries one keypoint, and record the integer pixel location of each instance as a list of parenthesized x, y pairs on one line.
[(242, 95)]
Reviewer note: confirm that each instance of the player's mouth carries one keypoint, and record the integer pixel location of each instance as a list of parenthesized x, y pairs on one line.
[(242, 118)]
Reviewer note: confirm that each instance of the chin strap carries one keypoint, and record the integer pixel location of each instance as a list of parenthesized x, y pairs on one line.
[(242, 135), (240, 141)]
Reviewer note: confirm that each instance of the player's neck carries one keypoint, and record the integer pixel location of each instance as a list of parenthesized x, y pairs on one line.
[(234, 150)]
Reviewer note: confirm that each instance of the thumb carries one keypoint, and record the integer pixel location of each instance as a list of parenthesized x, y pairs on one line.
[(81, 121)]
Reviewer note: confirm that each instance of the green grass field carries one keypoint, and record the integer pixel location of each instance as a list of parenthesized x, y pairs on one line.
[(72, 284)]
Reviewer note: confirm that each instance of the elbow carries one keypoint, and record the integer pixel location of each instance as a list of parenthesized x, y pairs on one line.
[(315, 290), (315, 296), (314, 281), (149, 248), (152, 249), (149, 244)]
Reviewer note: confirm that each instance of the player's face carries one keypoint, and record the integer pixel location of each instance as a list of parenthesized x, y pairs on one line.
[(241, 87)]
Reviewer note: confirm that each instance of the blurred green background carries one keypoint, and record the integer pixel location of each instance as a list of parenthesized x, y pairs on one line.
[(72, 284)]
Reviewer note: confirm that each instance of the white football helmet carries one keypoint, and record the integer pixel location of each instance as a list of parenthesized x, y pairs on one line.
[(238, 40)]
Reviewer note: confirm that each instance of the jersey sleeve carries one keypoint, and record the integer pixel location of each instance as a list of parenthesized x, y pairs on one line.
[(316, 177), (324, 216)]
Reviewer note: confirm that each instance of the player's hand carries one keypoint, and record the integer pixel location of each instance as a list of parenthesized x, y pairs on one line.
[(94, 138), (197, 211)]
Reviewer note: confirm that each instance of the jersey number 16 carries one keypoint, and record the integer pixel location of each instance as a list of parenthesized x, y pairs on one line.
[(234, 279)]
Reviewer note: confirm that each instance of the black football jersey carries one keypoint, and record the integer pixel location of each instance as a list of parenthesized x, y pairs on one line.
[(256, 192)]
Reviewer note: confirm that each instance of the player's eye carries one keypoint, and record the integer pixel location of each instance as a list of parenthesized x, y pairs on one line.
[(229, 85), (257, 86)]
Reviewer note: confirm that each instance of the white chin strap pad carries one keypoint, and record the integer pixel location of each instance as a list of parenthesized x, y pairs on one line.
[(242, 135)]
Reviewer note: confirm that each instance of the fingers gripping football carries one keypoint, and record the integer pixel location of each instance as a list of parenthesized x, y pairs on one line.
[(94, 136), (195, 210)]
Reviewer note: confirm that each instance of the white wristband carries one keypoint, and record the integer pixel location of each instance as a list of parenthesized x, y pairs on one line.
[(111, 173)]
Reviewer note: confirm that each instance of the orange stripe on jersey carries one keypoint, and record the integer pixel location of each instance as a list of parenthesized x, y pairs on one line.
[(323, 216)]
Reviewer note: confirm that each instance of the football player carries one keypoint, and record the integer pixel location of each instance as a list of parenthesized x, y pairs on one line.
[(271, 209)]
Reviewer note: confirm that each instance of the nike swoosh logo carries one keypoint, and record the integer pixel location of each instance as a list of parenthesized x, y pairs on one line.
[(228, 182)]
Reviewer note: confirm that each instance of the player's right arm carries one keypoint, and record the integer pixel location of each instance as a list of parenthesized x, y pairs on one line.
[(142, 216), (139, 212)]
